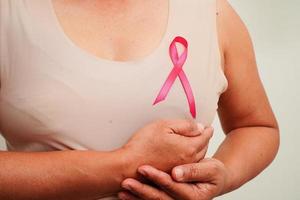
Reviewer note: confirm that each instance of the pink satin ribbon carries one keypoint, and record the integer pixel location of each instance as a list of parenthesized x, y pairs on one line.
[(177, 70)]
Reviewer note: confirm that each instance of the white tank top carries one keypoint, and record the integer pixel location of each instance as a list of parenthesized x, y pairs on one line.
[(55, 96)]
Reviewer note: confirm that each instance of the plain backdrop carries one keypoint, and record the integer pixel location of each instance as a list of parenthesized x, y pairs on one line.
[(274, 26)]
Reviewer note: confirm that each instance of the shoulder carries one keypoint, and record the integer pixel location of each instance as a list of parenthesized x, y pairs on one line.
[(232, 32)]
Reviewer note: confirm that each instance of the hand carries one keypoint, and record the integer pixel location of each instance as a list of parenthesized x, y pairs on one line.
[(202, 181), (165, 144)]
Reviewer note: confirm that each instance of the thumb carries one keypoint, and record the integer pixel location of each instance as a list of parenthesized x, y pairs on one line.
[(202, 171), (186, 127)]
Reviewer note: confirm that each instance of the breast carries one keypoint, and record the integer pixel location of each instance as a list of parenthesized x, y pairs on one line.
[(54, 97), (46, 105)]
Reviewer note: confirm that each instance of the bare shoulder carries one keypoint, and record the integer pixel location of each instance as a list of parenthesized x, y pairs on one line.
[(245, 102), (232, 31)]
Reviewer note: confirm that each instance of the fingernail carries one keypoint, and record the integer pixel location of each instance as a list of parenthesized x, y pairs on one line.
[(126, 186), (200, 127), (142, 171), (178, 173)]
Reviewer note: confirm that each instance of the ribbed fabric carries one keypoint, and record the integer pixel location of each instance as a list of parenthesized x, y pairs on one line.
[(56, 96)]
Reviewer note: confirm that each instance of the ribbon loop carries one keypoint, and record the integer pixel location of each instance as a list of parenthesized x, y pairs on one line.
[(178, 62)]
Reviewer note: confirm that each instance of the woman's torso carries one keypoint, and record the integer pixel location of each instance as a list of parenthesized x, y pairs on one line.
[(60, 91), (65, 85)]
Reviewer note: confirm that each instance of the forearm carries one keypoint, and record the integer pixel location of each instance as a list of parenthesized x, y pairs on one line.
[(60, 174), (246, 152)]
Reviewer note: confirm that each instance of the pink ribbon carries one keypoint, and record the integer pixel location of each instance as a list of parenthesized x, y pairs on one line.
[(177, 70)]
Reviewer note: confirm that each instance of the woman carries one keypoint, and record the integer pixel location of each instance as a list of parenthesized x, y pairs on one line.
[(81, 77)]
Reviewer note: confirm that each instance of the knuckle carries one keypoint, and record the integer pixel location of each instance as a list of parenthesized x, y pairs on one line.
[(164, 181), (191, 151), (167, 185), (214, 168), (194, 171)]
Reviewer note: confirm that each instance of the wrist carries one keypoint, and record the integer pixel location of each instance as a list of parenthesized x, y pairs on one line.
[(228, 178), (128, 163), (110, 168)]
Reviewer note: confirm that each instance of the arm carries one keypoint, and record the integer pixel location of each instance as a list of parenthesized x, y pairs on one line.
[(60, 174), (79, 175), (252, 134), (246, 116)]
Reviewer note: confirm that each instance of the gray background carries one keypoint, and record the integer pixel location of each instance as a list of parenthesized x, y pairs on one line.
[(275, 27)]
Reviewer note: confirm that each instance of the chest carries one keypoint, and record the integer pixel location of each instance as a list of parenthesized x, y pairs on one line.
[(115, 30), (59, 95)]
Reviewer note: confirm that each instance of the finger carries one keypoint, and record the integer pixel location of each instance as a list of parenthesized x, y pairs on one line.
[(202, 140), (144, 191), (124, 195), (203, 171), (165, 182), (202, 153), (185, 127)]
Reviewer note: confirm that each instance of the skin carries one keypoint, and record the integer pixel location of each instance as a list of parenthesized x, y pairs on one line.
[(251, 128), (83, 174), (114, 30), (252, 133)]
